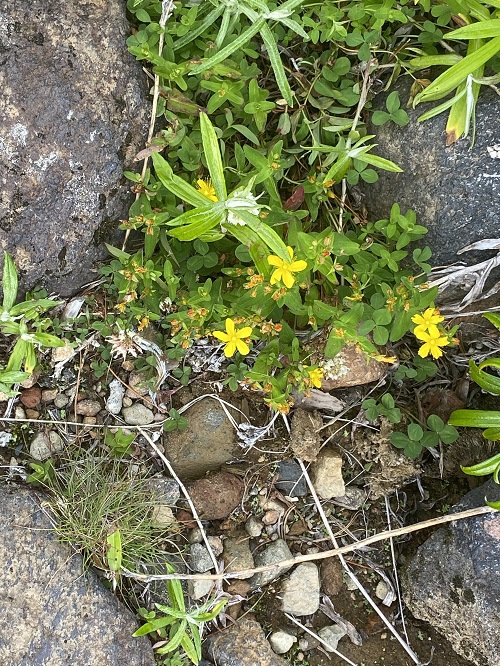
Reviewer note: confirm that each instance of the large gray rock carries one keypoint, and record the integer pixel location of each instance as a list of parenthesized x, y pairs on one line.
[(453, 581), (74, 111), (52, 612), (454, 190)]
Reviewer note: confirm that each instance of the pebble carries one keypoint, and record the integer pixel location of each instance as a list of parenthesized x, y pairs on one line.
[(88, 407), (331, 635), (300, 591), (381, 590), (5, 438), (46, 444), (199, 558), (61, 400), (19, 412), (353, 499), (137, 414), (89, 420), (137, 382), (291, 480), (277, 551), (166, 490), (32, 414), (254, 527), (216, 496), (240, 587), (48, 395), (195, 536), (31, 397), (62, 353), (237, 554), (216, 545), (163, 515), (331, 576), (271, 517), (326, 475), (281, 642), (197, 589), (114, 403)]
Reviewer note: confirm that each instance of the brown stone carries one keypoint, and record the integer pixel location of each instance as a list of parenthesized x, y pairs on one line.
[(31, 397), (351, 367), (331, 575), (216, 496)]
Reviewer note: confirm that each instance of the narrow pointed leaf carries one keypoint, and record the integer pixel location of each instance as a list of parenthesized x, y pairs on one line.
[(266, 234), (479, 30), (176, 185), (200, 221), (275, 58), (475, 418), (9, 282), (450, 79), (379, 162), (207, 22), (213, 156), (228, 50)]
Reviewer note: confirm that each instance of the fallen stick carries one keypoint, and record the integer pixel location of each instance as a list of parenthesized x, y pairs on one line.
[(382, 536)]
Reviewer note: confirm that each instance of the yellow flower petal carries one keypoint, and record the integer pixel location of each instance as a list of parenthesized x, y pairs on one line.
[(220, 335), (245, 332), (230, 348), (273, 260), (276, 276), (230, 327), (242, 347), (297, 266), (287, 278)]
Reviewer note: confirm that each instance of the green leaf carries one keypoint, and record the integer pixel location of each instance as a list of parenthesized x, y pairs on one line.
[(415, 432), (228, 50), (399, 440), (265, 233), (176, 185), (278, 69), (488, 382), (475, 418), (154, 625), (196, 32), (199, 221), (213, 156), (483, 468), (493, 318), (435, 423), (450, 79), (175, 640), (479, 30), (9, 282), (114, 554), (492, 434), (379, 162)]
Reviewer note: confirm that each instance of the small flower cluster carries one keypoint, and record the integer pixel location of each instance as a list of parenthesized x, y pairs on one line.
[(428, 331)]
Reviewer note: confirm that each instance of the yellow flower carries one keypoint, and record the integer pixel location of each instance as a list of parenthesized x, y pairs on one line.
[(420, 332), (433, 341), (207, 189), (284, 269), (316, 375), (426, 321), (234, 339)]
